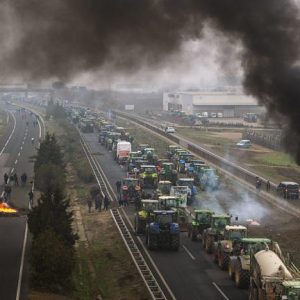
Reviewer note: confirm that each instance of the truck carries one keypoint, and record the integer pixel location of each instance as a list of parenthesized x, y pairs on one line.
[(272, 278), (123, 150)]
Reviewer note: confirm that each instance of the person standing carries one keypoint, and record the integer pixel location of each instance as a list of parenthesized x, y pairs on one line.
[(268, 185), (90, 203), (30, 195), (118, 184), (106, 202), (16, 180), (5, 178), (23, 179), (7, 193)]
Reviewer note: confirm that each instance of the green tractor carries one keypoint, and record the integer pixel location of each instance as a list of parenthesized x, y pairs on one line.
[(150, 155), (168, 172), (215, 232), (171, 150), (239, 264), (148, 176), (163, 231), (144, 216), (178, 205), (200, 222), (223, 249)]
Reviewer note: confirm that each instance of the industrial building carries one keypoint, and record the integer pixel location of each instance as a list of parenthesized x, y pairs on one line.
[(231, 105)]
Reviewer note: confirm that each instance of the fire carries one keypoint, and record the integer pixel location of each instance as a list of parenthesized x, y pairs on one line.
[(5, 208)]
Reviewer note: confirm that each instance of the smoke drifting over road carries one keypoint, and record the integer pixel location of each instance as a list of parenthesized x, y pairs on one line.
[(61, 38)]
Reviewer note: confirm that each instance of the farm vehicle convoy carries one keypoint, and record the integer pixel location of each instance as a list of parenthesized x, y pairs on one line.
[(163, 190)]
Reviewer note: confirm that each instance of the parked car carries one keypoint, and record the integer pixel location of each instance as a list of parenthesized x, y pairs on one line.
[(244, 144), (220, 115), (170, 130), (288, 190), (213, 115)]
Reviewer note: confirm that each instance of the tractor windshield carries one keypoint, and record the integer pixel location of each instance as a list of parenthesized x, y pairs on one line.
[(150, 170), (150, 206), (203, 218), (220, 223), (164, 187), (164, 219), (237, 234)]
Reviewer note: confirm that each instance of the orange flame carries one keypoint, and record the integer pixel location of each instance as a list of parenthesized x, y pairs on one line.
[(5, 208)]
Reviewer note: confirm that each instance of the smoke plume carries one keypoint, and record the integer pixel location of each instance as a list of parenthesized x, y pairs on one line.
[(62, 38)]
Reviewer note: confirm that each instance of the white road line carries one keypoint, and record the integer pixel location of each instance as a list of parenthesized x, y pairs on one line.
[(22, 143), (10, 134), (22, 264), (19, 154), (21, 148), (220, 291), (188, 252), (12, 170), (16, 161)]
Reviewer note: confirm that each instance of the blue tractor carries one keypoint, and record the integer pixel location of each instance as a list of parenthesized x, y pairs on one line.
[(164, 231)]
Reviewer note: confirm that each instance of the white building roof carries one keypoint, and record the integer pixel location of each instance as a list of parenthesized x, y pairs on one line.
[(223, 99)]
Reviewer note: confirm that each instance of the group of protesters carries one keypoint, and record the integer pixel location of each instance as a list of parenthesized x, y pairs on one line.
[(99, 198)]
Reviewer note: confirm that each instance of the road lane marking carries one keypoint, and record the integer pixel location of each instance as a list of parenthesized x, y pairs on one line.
[(19, 154), (22, 264), (15, 121), (16, 161), (21, 148), (188, 252), (220, 291), (12, 170)]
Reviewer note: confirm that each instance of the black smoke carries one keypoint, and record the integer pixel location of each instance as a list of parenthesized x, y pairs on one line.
[(60, 38)]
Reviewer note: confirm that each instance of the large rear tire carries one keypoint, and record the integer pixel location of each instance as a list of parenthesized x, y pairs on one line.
[(175, 242), (231, 268), (241, 277), (208, 246), (152, 242), (223, 260)]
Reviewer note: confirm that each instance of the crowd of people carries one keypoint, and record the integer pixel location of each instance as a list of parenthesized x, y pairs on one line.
[(101, 200)]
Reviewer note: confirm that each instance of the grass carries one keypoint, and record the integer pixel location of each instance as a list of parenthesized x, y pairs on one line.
[(276, 159)]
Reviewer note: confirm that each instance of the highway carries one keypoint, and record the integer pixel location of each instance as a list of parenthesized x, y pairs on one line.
[(16, 149), (190, 273)]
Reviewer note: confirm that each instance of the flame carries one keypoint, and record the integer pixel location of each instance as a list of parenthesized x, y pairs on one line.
[(5, 208)]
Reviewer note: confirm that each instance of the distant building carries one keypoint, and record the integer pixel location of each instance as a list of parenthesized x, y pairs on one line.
[(229, 104)]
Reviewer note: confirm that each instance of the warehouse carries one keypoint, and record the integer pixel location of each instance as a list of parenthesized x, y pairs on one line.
[(229, 104)]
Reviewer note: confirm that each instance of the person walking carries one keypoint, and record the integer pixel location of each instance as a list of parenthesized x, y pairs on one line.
[(90, 203), (23, 179), (118, 184), (5, 178), (98, 201), (16, 180), (11, 178), (106, 202), (268, 185), (30, 195), (7, 193)]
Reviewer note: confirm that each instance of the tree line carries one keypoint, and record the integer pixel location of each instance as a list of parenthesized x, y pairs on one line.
[(52, 255)]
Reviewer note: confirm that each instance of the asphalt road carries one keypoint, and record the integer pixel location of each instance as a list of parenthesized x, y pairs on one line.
[(190, 272), (15, 158)]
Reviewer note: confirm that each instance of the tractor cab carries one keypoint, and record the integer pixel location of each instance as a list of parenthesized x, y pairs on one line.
[(168, 172), (141, 147), (220, 221), (130, 189), (181, 192), (163, 188), (235, 232), (209, 179), (184, 161), (171, 150), (192, 191), (148, 175), (150, 155)]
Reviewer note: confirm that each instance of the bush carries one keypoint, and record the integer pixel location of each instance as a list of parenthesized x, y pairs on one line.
[(51, 262)]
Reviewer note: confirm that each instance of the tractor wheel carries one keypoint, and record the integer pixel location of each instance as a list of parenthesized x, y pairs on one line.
[(203, 238), (152, 242), (194, 235), (137, 227), (241, 277), (175, 242), (223, 260), (231, 269)]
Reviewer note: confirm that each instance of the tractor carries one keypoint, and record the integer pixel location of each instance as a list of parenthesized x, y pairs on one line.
[(148, 176), (200, 222), (150, 155), (223, 249), (184, 160), (239, 263), (215, 232), (163, 232), (145, 216), (171, 151), (168, 172), (192, 191), (129, 189), (163, 188), (178, 205)]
